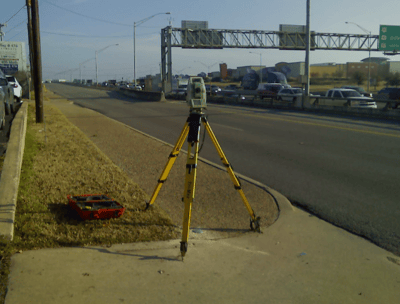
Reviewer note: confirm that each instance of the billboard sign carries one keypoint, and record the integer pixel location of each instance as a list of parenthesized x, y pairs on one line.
[(196, 34), (293, 37), (12, 57), (389, 38)]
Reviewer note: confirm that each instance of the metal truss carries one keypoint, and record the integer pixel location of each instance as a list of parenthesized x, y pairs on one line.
[(213, 38), (254, 39)]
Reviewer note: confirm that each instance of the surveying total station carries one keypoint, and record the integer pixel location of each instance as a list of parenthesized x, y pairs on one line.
[(196, 100)]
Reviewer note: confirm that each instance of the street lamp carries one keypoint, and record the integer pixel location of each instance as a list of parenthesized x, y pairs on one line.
[(369, 51), (261, 78), (97, 68), (134, 41)]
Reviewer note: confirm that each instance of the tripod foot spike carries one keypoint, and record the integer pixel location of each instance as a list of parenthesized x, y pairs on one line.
[(147, 206), (184, 247), (255, 224)]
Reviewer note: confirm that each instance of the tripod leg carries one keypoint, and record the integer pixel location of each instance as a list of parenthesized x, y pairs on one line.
[(190, 179), (188, 195), (254, 221), (171, 160)]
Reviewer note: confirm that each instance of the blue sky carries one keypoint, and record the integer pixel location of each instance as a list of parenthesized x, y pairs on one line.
[(68, 39)]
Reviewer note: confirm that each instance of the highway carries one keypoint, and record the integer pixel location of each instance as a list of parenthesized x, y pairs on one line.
[(343, 170)]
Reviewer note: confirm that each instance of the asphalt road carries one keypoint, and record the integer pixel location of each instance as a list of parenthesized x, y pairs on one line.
[(344, 170)]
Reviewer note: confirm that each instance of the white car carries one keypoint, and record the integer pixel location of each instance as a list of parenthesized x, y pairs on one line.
[(289, 94), (353, 98), (16, 87)]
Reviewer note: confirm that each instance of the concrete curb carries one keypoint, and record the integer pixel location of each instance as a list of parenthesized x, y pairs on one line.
[(10, 175), (283, 204)]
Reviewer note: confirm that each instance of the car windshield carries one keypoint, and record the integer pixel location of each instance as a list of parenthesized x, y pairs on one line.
[(297, 91), (11, 79), (351, 94)]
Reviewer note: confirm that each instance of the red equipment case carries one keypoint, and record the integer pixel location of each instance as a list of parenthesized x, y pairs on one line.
[(95, 206)]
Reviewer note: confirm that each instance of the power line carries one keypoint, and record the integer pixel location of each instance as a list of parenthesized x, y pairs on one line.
[(93, 18), (15, 13), (23, 31), (16, 26)]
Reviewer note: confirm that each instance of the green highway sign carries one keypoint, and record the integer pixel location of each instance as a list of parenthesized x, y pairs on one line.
[(389, 38)]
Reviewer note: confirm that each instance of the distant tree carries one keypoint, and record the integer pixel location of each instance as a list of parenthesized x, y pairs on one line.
[(358, 77), (338, 74)]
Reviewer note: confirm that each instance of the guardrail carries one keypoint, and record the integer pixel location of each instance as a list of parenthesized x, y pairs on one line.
[(388, 110)]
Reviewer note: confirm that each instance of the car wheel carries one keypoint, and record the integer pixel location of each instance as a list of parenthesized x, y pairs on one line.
[(3, 122), (8, 108)]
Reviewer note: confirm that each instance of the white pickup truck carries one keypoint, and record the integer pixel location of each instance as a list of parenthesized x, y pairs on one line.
[(352, 98)]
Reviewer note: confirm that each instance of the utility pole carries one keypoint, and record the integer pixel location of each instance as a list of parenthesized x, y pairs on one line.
[(30, 36), (308, 42), (1, 30), (37, 61)]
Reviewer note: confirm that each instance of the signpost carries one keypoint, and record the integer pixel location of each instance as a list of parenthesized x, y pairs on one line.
[(389, 38)]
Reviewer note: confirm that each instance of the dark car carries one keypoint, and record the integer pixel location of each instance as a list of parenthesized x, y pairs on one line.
[(393, 95), (232, 87), (9, 94), (359, 90), (230, 96), (384, 93), (270, 90), (214, 89)]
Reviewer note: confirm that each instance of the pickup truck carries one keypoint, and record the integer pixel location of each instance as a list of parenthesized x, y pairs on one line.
[(352, 98)]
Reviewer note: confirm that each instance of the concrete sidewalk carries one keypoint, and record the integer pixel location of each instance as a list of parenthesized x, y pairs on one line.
[(299, 259)]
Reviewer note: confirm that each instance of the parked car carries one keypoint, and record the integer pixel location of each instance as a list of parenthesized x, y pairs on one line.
[(17, 89), (359, 90), (8, 92), (2, 110), (289, 94), (270, 90), (136, 87), (352, 98)]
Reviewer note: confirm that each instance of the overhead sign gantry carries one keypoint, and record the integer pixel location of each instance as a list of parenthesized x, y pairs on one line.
[(255, 39)]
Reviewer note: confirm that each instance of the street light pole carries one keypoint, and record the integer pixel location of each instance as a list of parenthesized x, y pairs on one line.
[(369, 51), (261, 76), (96, 52), (134, 41)]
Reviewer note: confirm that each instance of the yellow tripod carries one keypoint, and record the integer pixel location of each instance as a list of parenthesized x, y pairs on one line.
[(191, 130)]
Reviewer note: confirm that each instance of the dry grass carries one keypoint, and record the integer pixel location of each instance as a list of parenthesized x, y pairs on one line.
[(67, 162), (60, 160)]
